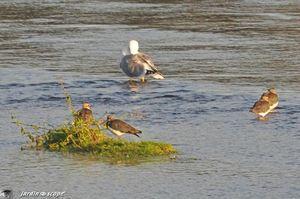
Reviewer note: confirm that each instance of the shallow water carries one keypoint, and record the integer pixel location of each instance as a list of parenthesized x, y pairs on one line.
[(217, 58)]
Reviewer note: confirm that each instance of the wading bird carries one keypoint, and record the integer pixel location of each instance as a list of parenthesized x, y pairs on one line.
[(85, 114), (272, 97), (261, 107), (138, 65), (119, 127)]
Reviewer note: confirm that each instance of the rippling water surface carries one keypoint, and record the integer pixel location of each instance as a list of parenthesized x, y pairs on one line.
[(217, 58)]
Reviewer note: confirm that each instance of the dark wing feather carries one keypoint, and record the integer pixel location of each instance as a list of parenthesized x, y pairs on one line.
[(123, 127), (147, 60)]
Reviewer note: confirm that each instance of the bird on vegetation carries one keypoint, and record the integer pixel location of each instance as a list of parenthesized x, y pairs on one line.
[(119, 127), (261, 107), (272, 97), (85, 114), (138, 65)]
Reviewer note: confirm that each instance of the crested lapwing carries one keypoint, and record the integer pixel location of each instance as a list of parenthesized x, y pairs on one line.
[(119, 127)]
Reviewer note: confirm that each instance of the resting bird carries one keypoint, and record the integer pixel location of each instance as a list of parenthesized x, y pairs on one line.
[(138, 65), (261, 107), (119, 127), (85, 114), (272, 97)]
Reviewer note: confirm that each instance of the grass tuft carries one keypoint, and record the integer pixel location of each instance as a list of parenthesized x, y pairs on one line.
[(82, 138)]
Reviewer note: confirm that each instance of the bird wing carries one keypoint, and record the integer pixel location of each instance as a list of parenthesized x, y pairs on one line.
[(260, 106), (147, 62), (272, 97), (123, 127), (78, 114), (84, 114), (87, 115)]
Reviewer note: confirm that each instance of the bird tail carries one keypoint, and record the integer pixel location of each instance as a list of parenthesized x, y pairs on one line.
[(157, 75)]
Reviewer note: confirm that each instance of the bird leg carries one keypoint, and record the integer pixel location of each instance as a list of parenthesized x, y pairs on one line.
[(130, 81)]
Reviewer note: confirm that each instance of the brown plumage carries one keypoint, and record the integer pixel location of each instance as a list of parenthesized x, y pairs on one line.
[(119, 127), (272, 97), (85, 114), (261, 107)]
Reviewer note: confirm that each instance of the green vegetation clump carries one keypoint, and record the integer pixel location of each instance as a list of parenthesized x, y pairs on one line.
[(80, 137)]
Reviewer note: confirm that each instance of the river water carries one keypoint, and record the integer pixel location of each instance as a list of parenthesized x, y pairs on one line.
[(217, 57)]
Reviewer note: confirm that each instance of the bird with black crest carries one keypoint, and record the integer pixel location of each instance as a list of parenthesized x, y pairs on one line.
[(119, 127)]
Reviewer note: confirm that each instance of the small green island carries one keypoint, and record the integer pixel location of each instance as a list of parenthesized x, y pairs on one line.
[(77, 137), (86, 139)]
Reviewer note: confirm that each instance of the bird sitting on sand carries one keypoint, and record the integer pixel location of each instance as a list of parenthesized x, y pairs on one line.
[(85, 114), (119, 127), (261, 107), (138, 65), (272, 97)]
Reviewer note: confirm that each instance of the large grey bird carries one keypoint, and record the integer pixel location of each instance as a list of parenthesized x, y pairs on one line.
[(138, 65), (119, 127), (272, 97)]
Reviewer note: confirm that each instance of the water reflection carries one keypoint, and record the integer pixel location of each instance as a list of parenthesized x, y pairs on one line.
[(134, 86)]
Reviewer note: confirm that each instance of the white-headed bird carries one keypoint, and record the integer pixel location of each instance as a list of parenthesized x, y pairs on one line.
[(138, 65)]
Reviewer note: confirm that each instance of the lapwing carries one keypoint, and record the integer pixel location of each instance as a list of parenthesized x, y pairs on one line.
[(272, 97), (138, 65), (261, 107), (119, 127), (85, 114)]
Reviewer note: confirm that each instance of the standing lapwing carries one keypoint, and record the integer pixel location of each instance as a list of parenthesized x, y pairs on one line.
[(138, 65), (272, 97), (261, 107), (85, 114), (119, 127)]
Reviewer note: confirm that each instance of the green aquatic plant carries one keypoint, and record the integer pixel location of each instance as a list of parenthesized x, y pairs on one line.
[(79, 137)]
